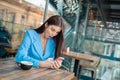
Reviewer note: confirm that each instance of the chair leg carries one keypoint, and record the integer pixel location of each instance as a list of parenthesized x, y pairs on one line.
[(6, 55), (93, 74), (79, 72)]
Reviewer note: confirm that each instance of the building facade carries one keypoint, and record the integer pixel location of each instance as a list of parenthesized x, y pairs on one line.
[(16, 16)]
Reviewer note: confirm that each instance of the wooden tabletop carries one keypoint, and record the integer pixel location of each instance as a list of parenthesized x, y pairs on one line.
[(10, 71), (80, 56)]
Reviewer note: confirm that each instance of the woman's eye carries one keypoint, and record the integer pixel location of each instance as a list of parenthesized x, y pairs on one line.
[(57, 32), (53, 29)]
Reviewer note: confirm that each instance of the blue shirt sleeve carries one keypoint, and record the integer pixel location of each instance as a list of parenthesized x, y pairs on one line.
[(22, 53)]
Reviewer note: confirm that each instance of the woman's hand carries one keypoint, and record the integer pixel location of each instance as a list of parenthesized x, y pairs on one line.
[(47, 63), (57, 63)]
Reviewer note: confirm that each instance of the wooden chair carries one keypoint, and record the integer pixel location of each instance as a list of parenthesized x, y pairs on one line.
[(15, 42), (11, 52), (14, 46), (90, 66)]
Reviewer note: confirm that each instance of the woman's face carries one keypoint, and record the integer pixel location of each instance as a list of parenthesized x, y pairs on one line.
[(51, 31)]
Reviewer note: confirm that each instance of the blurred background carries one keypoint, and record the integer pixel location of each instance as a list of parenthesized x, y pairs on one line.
[(91, 26)]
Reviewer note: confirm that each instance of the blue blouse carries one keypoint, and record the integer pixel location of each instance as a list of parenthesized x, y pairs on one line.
[(31, 49)]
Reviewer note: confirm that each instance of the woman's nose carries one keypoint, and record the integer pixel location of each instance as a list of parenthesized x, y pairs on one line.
[(51, 35)]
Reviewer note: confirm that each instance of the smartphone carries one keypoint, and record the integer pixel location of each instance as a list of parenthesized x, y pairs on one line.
[(61, 58)]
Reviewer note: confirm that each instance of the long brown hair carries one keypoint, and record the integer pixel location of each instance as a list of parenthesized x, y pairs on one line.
[(59, 38)]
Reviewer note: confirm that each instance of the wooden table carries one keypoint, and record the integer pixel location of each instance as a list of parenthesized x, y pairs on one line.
[(78, 57), (10, 71)]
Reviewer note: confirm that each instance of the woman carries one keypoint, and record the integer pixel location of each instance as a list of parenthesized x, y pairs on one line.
[(44, 45)]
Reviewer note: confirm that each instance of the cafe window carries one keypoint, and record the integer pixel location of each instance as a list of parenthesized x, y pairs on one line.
[(22, 20), (1, 14), (11, 17)]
